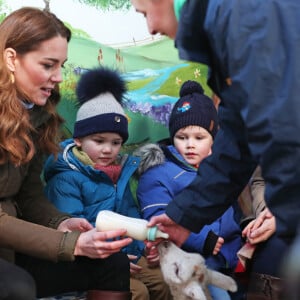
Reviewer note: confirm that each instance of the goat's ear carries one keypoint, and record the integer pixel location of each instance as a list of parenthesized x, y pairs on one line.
[(200, 272), (194, 291), (222, 281)]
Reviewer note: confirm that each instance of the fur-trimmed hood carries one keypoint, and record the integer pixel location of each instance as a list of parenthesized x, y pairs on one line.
[(151, 155)]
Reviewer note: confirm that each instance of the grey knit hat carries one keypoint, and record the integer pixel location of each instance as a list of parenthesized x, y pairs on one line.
[(193, 108), (100, 93)]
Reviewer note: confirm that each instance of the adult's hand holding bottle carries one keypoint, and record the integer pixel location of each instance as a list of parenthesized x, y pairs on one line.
[(101, 244)]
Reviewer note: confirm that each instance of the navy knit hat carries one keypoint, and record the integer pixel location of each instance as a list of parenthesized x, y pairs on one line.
[(193, 108), (100, 93)]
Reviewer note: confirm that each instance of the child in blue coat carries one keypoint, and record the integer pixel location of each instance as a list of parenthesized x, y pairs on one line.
[(91, 175), (166, 170)]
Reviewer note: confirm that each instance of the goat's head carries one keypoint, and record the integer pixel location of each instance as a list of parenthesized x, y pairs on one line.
[(187, 274)]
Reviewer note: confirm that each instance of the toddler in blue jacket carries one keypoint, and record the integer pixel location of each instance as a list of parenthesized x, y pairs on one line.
[(91, 175), (165, 170)]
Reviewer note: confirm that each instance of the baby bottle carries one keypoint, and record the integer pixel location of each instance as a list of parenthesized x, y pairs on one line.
[(136, 228)]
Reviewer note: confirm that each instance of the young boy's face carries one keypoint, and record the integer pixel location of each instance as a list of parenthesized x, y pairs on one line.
[(159, 14), (102, 148), (193, 143)]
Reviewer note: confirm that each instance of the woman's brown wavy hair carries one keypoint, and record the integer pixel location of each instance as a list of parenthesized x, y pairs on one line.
[(24, 30)]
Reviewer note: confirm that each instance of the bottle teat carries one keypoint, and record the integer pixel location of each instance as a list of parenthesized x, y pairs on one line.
[(153, 233)]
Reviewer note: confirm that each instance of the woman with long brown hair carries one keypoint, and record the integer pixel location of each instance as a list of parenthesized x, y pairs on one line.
[(61, 253)]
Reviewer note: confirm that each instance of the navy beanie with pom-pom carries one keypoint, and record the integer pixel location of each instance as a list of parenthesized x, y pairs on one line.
[(193, 108), (100, 93)]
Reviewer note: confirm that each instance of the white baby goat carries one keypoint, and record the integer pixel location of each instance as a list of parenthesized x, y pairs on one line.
[(187, 275)]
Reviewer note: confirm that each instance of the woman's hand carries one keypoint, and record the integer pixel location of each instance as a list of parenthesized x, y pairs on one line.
[(97, 244), (73, 224)]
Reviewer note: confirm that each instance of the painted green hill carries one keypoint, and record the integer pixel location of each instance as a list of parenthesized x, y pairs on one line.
[(162, 50), (85, 52)]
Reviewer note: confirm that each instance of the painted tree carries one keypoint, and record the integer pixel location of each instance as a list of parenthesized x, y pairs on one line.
[(100, 4), (47, 5), (107, 4), (3, 9)]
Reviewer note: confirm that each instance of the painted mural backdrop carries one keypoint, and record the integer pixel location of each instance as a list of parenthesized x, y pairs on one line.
[(149, 64)]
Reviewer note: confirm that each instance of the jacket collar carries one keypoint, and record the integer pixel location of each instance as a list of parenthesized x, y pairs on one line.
[(191, 39), (177, 7), (193, 43), (173, 155)]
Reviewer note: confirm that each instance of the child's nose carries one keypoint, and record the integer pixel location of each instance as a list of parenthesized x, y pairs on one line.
[(107, 148), (190, 144)]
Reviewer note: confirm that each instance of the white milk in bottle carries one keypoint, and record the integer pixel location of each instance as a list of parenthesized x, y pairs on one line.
[(136, 228)]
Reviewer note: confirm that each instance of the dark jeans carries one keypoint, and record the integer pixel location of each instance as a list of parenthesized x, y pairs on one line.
[(15, 283), (291, 270), (268, 256), (82, 274)]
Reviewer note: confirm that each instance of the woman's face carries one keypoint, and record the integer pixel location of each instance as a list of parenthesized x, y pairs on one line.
[(37, 72)]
